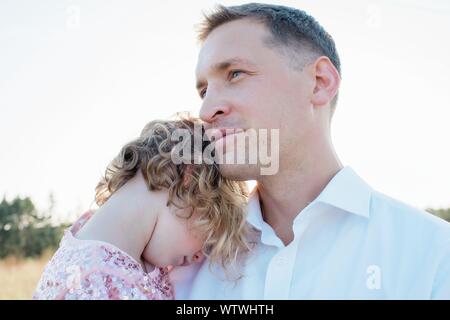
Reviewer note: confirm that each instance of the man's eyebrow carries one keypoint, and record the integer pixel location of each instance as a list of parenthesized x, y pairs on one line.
[(230, 62), (223, 65)]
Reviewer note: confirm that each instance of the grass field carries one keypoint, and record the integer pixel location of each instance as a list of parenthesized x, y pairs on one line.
[(19, 277)]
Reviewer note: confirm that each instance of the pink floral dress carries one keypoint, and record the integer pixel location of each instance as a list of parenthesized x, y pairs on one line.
[(96, 270)]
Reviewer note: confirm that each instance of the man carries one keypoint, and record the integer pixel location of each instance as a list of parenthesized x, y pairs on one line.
[(323, 232)]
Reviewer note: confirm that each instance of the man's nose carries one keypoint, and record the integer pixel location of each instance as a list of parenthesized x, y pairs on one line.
[(212, 111)]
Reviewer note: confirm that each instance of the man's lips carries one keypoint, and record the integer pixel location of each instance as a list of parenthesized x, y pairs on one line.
[(220, 133)]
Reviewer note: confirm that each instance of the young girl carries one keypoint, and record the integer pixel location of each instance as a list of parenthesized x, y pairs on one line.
[(153, 215)]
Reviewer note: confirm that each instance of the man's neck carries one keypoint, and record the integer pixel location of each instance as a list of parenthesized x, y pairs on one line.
[(284, 195)]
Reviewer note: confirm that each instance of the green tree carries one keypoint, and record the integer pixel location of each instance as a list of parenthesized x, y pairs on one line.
[(23, 231), (441, 213)]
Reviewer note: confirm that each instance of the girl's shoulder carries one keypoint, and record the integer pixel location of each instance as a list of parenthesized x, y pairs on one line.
[(81, 221), (108, 272)]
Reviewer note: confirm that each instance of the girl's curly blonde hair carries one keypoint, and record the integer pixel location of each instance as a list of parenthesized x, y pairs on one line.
[(219, 203)]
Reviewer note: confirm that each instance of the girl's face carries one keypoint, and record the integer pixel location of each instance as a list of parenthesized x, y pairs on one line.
[(173, 243)]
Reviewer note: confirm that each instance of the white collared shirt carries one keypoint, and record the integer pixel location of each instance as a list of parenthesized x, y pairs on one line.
[(351, 242)]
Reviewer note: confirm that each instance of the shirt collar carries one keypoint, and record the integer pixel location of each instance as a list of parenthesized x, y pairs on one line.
[(255, 219), (349, 192), (254, 216), (346, 191)]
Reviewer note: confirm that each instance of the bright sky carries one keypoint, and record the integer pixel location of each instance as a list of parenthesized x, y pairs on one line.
[(78, 79)]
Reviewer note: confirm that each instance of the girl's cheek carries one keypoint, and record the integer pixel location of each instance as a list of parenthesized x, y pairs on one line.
[(146, 257)]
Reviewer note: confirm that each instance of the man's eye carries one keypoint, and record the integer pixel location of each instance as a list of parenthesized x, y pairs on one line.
[(234, 74)]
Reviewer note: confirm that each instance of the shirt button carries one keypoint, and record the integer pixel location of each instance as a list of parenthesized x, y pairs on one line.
[(280, 261)]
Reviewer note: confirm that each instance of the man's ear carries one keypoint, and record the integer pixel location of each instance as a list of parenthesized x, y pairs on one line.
[(327, 81)]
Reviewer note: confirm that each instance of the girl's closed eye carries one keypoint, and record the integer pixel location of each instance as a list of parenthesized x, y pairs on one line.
[(203, 93)]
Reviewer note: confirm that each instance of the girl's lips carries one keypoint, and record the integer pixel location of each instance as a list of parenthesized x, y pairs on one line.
[(169, 268)]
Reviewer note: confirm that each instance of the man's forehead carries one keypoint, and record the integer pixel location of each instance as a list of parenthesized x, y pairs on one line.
[(237, 42)]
